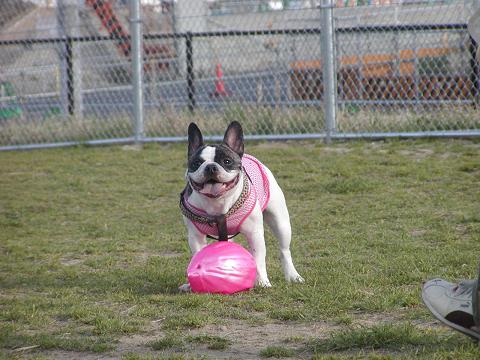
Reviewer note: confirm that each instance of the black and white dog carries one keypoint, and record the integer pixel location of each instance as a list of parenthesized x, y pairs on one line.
[(229, 192)]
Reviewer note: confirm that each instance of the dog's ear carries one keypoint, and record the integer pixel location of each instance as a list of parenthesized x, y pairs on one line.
[(234, 137), (195, 139)]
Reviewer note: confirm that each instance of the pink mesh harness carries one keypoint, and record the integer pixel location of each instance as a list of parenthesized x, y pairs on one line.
[(258, 190)]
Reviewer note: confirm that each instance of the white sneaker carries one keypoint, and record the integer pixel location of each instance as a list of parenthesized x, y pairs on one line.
[(476, 300), (453, 304)]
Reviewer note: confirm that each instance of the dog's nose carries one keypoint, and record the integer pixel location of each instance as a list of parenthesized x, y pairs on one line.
[(211, 169)]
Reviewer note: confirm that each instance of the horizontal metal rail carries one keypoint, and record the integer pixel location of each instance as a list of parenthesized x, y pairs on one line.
[(391, 28), (280, 137), (303, 31)]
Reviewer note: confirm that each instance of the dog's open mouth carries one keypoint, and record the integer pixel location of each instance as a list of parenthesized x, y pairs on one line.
[(213, 188)]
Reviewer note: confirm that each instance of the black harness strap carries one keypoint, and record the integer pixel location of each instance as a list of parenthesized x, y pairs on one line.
[(221, 221)]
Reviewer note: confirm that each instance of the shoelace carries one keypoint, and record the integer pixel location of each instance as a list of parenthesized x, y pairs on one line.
[(465, 287)]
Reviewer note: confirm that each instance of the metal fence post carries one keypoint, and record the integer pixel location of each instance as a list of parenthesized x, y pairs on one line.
[(70, 57), (70, 77), (328, 67), (65, 62), (475, 71), (190, 72), (137, 68)]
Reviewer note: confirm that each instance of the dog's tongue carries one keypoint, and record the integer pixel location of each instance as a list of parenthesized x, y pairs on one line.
[(215, 189)]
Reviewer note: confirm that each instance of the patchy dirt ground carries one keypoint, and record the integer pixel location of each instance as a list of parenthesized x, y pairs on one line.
[(247, 341)]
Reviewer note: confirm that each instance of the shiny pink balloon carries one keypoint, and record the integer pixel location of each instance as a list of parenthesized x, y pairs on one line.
[(222, 267)]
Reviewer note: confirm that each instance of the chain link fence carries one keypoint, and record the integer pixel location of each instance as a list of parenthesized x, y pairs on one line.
[(399, 68)]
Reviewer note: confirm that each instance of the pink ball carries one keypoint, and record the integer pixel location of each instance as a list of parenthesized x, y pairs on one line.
[(222, 267)]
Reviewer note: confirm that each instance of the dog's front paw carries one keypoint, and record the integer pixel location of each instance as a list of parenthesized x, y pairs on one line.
[(185, 288), (263, 283), (294, 278)]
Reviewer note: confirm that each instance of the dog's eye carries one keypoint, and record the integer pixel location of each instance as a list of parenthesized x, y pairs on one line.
[(227, 161), (197, 163)]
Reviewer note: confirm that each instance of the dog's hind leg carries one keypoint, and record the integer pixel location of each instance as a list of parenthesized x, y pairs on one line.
[(277, 218)]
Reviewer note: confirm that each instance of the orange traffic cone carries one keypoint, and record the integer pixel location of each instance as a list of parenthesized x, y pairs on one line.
[(219, 82)]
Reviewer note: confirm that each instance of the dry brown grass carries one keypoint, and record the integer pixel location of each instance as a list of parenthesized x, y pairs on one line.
[(257, 120)]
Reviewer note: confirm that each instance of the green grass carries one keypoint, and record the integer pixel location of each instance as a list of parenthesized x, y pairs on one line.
[(383, 336), (93, 249), (276, 352), (177, 341), (212, 342), (167, 342)]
